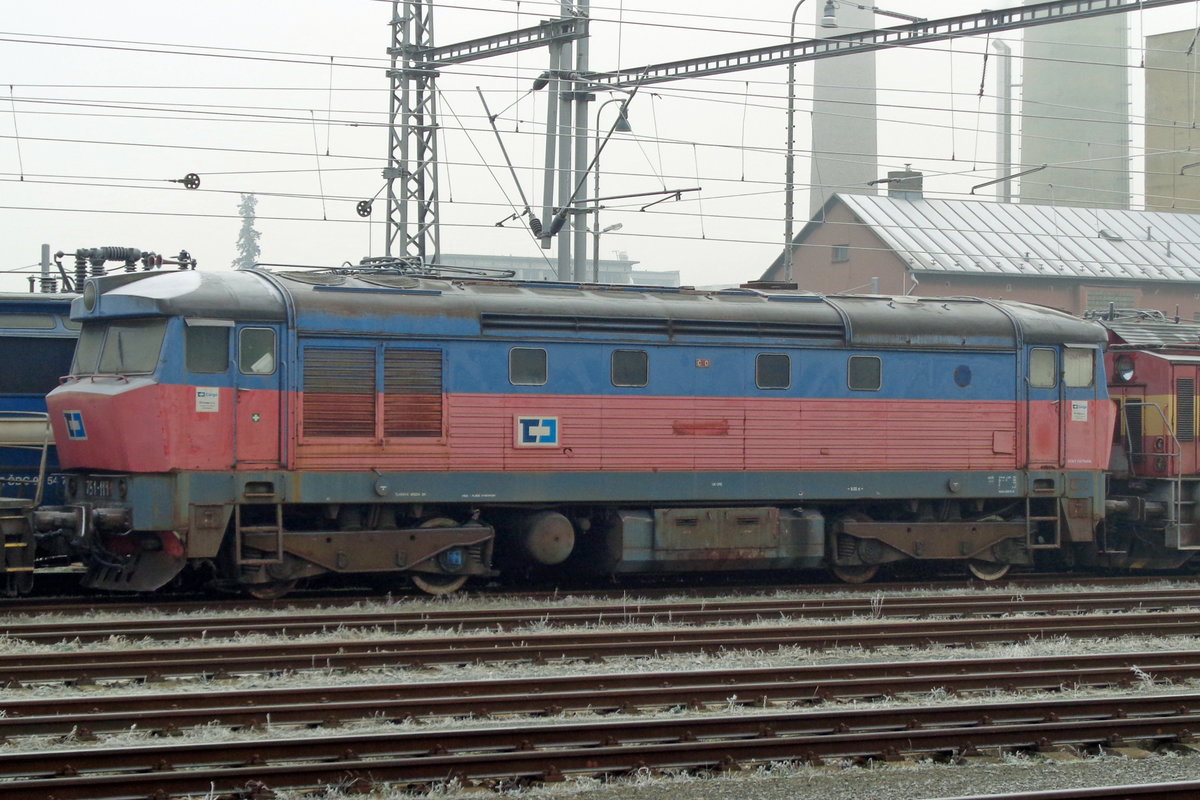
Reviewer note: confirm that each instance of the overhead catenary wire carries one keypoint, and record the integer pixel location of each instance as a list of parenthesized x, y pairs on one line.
[(709, 92)]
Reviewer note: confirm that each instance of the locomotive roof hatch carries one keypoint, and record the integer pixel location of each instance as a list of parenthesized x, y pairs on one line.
[(908, 322), (1045, 325)]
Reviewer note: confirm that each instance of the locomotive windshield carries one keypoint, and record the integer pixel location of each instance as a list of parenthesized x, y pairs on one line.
[(128, 347)]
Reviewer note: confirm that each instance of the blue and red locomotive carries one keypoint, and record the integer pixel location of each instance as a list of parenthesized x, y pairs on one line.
[(265, 427), (36, 343)]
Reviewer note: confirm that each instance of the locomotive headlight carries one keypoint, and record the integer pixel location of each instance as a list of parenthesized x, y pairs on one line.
[(89, 296), (1123, 369)]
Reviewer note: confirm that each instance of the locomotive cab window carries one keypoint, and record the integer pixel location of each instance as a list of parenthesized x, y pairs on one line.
[(773, 371), (527, 366), (865, 373), (87, 350), (33, 365), (45, 321), (1079, 367), (129, 347), (256, 351), (206, 345), (630, 368), (1043, 368)]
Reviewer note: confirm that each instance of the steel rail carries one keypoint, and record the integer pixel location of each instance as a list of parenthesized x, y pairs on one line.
[(331, 706), (549, 751), (643, 591), (403, 620), (217, 660), (1175, 790)]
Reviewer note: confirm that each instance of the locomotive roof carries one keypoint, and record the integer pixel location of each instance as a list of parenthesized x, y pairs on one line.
[(333, 301), (41, 300), (1155, 331)]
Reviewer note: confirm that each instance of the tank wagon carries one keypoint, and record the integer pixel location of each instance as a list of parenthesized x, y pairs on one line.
[(262, 427)]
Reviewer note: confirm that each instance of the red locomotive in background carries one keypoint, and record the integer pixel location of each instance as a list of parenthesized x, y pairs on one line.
[(1153, 364)]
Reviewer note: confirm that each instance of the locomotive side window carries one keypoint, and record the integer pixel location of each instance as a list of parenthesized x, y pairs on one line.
[(206, 347), (30, 365), (630, 368), (256, 351), (29, 321), (87, 350), (773, 371), (1043, 372), (131, 348), (1079, 367), (527, 366), (865, 373)]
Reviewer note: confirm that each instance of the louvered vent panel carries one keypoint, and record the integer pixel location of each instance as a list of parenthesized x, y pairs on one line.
[(1185, 413), (1133, 428), (412, 386), (339, 392)]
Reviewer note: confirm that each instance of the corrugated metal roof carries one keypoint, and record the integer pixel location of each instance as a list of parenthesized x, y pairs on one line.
[(1155, 334), (978, 237)]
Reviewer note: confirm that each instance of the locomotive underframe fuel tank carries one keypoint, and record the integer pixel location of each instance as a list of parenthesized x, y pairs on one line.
[(702, 539)]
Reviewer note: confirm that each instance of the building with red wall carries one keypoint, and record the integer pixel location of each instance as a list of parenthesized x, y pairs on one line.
[(1070, 258)]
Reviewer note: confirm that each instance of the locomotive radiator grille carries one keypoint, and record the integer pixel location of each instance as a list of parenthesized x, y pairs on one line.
[(1185, 409)]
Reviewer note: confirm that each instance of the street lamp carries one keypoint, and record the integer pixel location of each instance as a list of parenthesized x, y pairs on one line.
[(623, 126), (881, 12), (828, 20)]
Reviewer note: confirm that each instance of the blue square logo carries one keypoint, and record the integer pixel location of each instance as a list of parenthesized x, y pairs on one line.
[(75, 430), (537, 431)]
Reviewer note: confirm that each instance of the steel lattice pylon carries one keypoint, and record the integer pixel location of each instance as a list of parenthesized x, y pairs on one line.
[(412, 215)]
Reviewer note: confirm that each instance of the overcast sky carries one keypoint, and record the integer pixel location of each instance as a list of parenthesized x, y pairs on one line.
[(102, 106)]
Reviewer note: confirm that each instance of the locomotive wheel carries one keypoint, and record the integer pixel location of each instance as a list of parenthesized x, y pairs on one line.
[(269, 591), (988, 570), (434, 583), (860, 573)]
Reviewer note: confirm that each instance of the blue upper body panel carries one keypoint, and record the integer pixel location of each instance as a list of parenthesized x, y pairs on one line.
[(946, 348)]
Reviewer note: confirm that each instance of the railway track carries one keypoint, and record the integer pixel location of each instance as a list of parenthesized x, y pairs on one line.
[(325, 598), (401, 619), (773, 687), (242, 743), (551, 751), (276, 655)]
